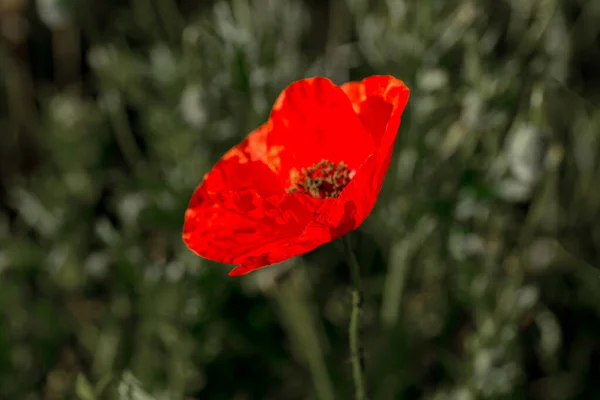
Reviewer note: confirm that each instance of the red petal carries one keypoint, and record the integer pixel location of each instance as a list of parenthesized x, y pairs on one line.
[(379, 101), (250, 164), (375, 99), (235, 226), (312, 120), (313, 236)]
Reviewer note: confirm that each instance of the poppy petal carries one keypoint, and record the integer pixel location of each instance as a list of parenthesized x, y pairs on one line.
[(379, 101), (250, 164), (232, 226), (313, 119), (313, 236), (374, 99)]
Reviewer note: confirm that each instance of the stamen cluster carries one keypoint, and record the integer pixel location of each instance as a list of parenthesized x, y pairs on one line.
[(323, 180)]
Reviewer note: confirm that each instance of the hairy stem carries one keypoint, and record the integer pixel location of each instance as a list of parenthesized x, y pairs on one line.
[(355, 344)]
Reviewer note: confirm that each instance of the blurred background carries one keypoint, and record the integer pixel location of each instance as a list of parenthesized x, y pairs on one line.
[(480, 260)]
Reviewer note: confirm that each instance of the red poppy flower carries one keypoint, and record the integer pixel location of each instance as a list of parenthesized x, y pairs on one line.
[(310, 174)]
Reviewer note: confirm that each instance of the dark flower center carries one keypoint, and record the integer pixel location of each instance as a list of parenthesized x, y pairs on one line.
[(324, 180)]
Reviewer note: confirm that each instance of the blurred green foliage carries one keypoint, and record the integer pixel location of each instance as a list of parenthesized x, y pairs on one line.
[(479, 260)]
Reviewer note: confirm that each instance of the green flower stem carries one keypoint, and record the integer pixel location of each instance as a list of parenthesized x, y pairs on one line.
[(355, 345)]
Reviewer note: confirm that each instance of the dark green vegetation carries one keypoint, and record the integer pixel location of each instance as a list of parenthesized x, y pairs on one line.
[(480, 260)]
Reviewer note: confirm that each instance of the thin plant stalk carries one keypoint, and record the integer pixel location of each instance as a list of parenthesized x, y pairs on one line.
[(354, 331)]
